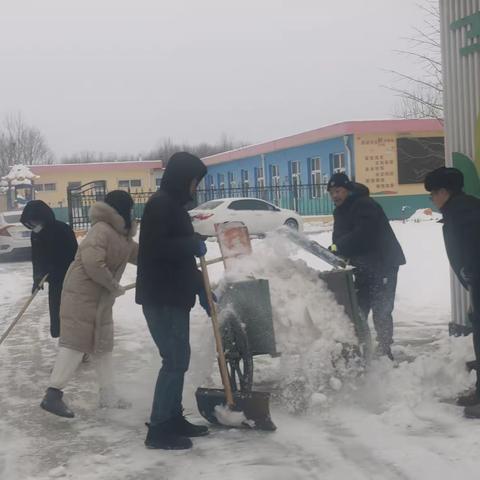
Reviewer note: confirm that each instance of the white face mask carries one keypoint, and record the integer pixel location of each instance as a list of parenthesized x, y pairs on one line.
[(37, 228)]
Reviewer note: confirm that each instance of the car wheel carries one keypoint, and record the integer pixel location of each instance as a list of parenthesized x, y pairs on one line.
[(291, 223)]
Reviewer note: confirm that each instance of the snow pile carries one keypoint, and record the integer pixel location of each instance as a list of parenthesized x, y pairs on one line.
[(19, 175), (312, 331), (425, 215), (433, 376)]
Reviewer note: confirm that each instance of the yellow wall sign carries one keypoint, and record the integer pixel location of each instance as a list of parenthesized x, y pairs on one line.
[(376, 163)]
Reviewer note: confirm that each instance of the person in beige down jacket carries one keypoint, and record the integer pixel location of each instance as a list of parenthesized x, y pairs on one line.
[(89, 291)]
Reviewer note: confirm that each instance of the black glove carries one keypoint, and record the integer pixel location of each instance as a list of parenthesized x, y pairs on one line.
[(202, 297), (200, 247), (467, 276)]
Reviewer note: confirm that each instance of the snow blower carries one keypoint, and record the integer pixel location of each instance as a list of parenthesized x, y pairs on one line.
[(222, 406)]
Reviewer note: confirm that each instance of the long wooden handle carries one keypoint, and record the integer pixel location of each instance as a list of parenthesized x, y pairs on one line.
[(218, 338), (23, 310), (207, 262)]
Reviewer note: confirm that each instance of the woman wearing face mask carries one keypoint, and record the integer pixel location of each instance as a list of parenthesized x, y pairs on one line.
[(53, 249), (89, 291)]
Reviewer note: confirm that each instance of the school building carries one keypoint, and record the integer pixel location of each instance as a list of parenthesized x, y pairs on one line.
[(391, 157), (55, 179)]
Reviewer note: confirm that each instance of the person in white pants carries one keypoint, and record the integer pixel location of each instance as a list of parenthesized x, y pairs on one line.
[(89, 291)]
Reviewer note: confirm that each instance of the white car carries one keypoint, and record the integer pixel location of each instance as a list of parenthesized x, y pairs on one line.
[(259, 216), (14, 237)]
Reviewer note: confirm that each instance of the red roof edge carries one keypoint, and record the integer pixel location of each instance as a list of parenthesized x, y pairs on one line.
[(329, 131)]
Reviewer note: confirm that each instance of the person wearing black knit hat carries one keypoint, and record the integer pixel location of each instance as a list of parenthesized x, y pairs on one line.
[(89, 290), (168, 283), (461, 233), (362, 234)]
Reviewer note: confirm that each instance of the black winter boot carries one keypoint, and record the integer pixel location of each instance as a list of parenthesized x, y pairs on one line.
[(384, 351), (52, 402), (183, 427), (163, 437)]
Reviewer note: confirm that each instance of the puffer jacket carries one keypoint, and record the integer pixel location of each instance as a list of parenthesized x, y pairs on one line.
[(362, 233), (92, 281)]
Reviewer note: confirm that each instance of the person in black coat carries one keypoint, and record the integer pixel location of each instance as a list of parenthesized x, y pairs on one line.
[(362, 234), (168, 283), (54, 246), (461, 233)]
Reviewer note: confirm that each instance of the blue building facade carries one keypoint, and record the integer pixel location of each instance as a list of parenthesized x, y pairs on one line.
[(292, 172), (293, 177)]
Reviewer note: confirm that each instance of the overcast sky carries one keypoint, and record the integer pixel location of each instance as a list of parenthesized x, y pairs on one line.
[(120, 76)]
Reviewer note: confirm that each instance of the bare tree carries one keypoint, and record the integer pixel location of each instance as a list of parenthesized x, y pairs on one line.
[(97, 157), (167, 148), (22, 144), (421, 96)]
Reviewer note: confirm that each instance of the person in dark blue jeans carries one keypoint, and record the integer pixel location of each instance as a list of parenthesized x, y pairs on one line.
[(168, 283)]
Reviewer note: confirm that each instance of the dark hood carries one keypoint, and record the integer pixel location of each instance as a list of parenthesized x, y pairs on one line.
[(37, 211), (181, 169), (360, 189)]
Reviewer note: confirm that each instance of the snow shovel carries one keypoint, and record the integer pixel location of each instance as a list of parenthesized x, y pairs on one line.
[(23, 310), (234, 409)]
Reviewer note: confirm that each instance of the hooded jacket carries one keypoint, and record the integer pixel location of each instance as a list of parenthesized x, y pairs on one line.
[(167, 273), (92, 282), (54, 247), (362, 233), (461, 233)]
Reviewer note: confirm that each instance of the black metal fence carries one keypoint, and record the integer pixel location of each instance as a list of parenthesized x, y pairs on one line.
[(80, 199), (304, 199)]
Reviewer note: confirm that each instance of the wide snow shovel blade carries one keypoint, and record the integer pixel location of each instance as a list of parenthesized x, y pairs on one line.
[(221, 406), (250, 409)]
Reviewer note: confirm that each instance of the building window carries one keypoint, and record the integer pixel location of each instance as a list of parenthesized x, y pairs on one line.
[(210, 182), (296, 179), (232, 183), (275, 176), (50, 187), (136, 183), (338, 162), (245, 182), (158, 182), (316, 178), (260, 178), (74, 185), (221, 182), (275, 183), (38, 187)]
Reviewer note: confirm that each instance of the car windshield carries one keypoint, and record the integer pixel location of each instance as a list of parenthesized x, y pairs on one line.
[(12, 217), (209, 205)]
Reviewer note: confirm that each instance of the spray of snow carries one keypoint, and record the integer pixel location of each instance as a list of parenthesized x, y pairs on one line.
[(311, 329), (228, 417)]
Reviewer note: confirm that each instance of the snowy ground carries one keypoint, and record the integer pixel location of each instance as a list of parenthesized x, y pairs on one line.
[(387, 424)]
